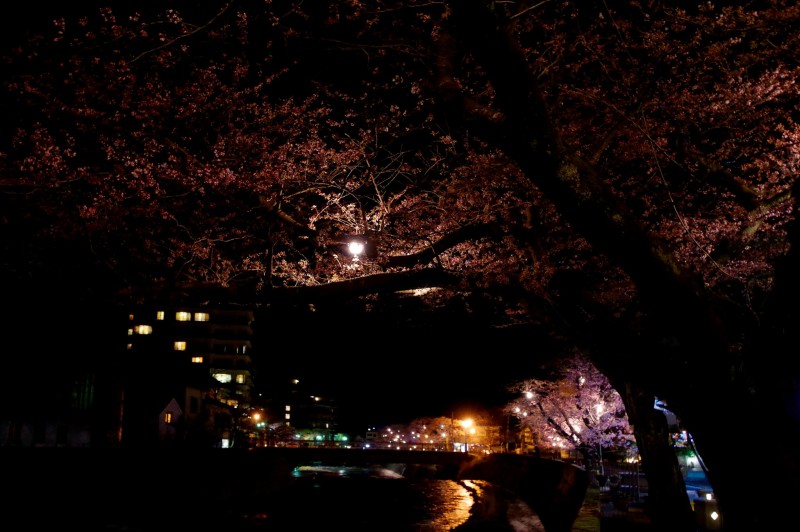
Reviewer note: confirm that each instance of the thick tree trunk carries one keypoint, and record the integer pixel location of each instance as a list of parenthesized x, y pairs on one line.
[(667, 503)]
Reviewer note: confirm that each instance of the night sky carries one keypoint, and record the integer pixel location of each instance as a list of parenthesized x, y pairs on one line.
[(379, 371), (376, 370)]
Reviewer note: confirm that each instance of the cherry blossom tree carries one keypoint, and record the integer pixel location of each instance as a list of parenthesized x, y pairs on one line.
[(574, 407), (617, 177)]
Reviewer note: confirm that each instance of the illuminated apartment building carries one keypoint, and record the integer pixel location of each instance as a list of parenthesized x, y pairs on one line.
[(187, 376)]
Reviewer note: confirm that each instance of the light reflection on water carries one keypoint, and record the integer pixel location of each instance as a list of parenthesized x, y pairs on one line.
[(450, 504), (380, 498), (368, 499)]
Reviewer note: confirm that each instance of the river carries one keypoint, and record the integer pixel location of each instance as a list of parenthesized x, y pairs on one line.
[(380, 499), (98, 492), (318, 499)]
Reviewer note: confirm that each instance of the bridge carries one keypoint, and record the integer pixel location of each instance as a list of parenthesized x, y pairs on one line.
[(69, 477), (450, 461)]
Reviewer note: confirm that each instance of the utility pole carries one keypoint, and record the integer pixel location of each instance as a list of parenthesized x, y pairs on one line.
[(452, 431), (508, 421)]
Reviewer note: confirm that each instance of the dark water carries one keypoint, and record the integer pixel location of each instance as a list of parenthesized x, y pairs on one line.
[(369, 499), (317, 498), (322, 498)]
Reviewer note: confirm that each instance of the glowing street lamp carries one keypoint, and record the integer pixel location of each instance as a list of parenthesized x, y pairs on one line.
[(355, 248), (360, 246)]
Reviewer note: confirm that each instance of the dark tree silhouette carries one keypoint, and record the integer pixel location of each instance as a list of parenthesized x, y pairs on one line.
[(617, 177)]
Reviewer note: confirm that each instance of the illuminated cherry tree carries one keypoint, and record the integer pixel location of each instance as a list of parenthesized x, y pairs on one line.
[(575, 407), (432, 432)]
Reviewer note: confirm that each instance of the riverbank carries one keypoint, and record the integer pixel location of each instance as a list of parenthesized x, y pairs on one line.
[(589, 517), (494, 512), (497, 510)]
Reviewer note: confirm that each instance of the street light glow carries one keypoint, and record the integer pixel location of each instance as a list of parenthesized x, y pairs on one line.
[(356, 247)]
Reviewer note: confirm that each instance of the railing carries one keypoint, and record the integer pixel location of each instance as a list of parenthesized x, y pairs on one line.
[(624, 485), (395, 446), (351, 456)]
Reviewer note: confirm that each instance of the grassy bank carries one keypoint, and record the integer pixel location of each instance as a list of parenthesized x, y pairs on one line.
[(588, 519)]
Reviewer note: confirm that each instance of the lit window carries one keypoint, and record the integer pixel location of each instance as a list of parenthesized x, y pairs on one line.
[(222, 377), (130, 332), (197, 360), (183, 316), (288, 408), (240, 379), (288, 416), (130, 346), (159, 315), (168, 417), (130, 317), (201, 316), (180, 346), (143, 329)]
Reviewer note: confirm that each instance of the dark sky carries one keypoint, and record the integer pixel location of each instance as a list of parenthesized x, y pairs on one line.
[(384, 372)]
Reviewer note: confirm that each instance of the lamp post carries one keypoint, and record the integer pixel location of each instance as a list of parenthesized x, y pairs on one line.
[(505, 441), (599, 409), (467, 425)]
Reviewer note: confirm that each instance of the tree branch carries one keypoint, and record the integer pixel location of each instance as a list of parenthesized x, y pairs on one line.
[(369, 284), (273, 210), (577, 190), (460, 235)]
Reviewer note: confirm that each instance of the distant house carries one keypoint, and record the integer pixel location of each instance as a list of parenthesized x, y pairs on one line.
[(169, 421)]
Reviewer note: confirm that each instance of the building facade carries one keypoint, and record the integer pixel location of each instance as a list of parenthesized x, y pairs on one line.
[(187, 375)]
